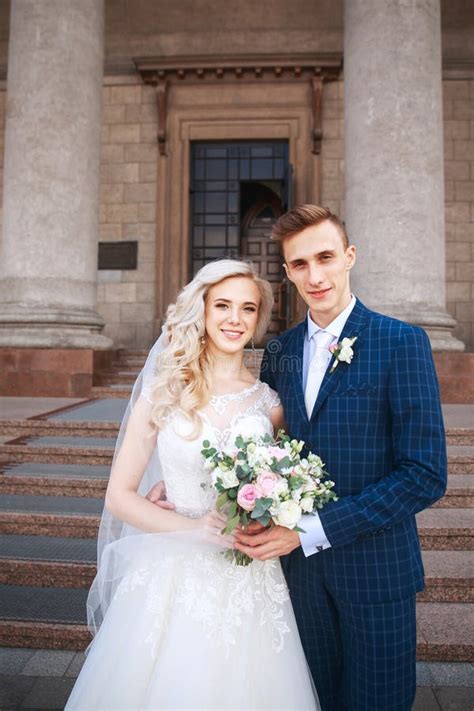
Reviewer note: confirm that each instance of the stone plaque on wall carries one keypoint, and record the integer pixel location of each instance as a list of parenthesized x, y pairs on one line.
[(118, 255)]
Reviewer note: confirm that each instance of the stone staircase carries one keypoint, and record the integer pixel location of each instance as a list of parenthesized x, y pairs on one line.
[(53, 475), (117, 382)]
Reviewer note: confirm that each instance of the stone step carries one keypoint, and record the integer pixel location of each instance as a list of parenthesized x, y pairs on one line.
[(459, 494), (43, 604), (45, 574), (44, 561), (83, 480), (445, 631), (44, 635), (129, 363), (439, 528), (57, 428), (446, 529), (449, 576), (71, 517), (460, 436), (121, 369), (60, 450), (60, 426), (133, 353), (70, 562), (461, 459), (99, 450), (111, 391), (113, 379), (55, 618), (55, 479)]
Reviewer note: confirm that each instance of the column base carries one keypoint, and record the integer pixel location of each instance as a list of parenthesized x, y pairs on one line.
[(50, 372), (456, 377), (32, 327)]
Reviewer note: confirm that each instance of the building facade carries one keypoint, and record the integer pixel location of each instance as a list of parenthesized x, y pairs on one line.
[(142, 139)]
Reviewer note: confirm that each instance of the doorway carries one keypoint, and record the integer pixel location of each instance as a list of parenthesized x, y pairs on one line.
[(238, 190)]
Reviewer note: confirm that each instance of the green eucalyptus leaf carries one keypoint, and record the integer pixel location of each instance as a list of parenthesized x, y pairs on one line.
[(221, 500)]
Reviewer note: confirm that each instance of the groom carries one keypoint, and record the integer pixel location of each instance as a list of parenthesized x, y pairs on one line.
[(375, 419)]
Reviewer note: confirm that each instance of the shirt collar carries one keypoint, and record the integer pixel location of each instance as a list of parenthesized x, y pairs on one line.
[(336, 327)]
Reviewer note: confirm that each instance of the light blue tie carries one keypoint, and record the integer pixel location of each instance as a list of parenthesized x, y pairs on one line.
[(317, 368)]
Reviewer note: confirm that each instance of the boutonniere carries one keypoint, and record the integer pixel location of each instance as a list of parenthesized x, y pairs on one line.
[(342, 352)]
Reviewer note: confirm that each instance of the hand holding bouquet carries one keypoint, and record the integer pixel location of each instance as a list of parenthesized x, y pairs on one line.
[(265, 479)]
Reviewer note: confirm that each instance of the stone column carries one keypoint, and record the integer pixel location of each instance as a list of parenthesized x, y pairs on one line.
[(394, 160), (48, 264)]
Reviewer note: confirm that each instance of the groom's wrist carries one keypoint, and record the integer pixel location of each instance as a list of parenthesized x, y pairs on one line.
[(312, 538)]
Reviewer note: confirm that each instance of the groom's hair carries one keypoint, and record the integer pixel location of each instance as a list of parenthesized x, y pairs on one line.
[(303, 216)]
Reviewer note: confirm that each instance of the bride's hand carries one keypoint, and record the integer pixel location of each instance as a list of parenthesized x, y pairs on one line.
[(253, 528), (212, 525)]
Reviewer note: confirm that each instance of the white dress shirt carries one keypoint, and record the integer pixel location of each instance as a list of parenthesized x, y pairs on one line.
[(314, 539)]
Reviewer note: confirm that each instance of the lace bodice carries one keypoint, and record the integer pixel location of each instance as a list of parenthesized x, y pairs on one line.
[(188, 483)]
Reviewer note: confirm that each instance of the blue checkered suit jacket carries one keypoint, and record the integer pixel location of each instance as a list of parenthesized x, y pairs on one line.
[(377, 424)]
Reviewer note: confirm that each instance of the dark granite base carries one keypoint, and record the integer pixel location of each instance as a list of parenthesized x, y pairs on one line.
[(50, 372)]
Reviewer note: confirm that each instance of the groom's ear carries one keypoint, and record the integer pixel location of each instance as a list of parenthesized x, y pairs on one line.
[(350, 255), (287, 271)]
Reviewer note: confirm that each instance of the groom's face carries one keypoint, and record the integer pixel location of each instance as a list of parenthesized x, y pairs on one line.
[(318, 264)]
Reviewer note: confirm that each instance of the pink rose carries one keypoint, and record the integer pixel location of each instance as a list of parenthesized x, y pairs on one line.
[(247, 496), (277, 452), (266, 483)]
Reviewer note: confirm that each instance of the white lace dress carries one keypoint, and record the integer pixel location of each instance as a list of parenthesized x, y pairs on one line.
[(187, 629)]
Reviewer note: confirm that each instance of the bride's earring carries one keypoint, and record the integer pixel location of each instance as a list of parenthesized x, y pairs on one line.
[(202, 340), (252, 344)]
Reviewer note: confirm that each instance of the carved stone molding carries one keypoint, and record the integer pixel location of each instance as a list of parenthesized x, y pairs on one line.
[(313, 68)]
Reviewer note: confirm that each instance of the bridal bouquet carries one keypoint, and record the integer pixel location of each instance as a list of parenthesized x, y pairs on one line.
[(265, 479)]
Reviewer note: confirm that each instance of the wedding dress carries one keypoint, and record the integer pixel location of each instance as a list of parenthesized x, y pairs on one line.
[(186, 628)]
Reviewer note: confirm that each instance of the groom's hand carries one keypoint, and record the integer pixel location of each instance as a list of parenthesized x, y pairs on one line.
[(270, 543), (157, 496)]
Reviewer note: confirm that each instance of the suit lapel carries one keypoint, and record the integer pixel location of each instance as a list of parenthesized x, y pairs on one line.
[(296, 351), (354, 325)]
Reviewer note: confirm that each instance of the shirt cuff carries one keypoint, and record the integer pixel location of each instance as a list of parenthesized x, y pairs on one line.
[(313, 540)]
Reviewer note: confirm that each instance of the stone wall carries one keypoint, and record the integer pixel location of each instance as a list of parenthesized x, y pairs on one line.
[(459, 186), (128, 210), (128, 199), (332, 150)]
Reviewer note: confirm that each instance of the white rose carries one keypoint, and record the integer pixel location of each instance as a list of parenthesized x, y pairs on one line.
[(315, 461), (296, 494), (281, 487), (309, 485), (306, 504), (229, 479), (346, 352), (288, 515)]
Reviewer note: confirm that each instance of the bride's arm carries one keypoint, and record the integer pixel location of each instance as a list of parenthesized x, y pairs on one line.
[(276, 416), (121, 498)]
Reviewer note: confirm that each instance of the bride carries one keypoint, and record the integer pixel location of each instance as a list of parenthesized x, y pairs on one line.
[(178, 626)]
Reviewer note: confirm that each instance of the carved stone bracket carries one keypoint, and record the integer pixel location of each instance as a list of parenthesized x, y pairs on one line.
[(317, 83), (162, 104), (314, 68)]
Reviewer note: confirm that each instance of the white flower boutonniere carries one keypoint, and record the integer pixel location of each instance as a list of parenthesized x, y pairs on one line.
[(342, 352)]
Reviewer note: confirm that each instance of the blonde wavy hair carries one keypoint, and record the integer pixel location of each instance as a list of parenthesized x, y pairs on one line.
[(183, 368)]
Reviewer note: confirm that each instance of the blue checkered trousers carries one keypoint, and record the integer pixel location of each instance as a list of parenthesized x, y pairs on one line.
[(377, 425)]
